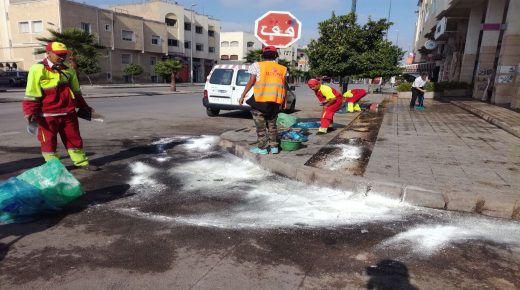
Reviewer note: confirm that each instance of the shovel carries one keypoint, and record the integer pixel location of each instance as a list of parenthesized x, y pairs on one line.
[(90, 115)]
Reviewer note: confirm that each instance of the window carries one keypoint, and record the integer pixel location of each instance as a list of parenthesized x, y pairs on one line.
[(153, 60), (233, 43), (85, 27), (187, 44), (187, 26), (23, 27), (199, 47), (171, 22), (211, 33), (127, 35), (221, 77), (108, 27), (211, 49), (173, 42), (126, 58), (198, 29), (233, 57), (224, 57), (156, 40), (242, 77), (37, 26), (250, 44), (224, 44)]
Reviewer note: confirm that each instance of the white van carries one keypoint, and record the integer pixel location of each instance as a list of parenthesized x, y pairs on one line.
[(224, 86)]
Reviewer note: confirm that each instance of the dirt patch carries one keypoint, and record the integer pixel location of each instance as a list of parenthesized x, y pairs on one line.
[(350, 150)]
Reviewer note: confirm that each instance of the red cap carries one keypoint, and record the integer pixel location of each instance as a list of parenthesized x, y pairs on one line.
[(56, 47), (269, 48), (313, 82)]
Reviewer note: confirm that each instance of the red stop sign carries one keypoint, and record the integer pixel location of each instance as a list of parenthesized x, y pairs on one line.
[(278, 28)]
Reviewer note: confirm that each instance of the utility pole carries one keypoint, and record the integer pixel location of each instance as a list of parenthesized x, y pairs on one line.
[(353, 8), (388, 19)]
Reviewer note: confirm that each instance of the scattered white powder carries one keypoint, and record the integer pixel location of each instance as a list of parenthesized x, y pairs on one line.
[(203, 143), (348, 154), (429, 239)]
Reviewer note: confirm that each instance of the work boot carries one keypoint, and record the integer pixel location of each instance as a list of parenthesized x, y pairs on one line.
[(89, 167), (257, 150), (321, 133)]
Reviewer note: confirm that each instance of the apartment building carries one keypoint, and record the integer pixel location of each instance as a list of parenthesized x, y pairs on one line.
[(473, 41), (129, 35), (234, 46)]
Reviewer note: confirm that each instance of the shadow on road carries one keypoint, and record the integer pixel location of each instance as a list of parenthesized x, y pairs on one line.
[(389, 275)]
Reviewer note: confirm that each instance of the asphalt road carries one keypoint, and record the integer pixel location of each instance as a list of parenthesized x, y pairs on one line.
[(171, 211)]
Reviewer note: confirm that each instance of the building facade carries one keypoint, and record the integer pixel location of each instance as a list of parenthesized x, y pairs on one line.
[(142, 33), (234, 46), (472, 41)]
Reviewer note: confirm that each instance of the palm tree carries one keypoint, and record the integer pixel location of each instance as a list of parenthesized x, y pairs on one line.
[(253, 55), (82, 44), (169, 68)]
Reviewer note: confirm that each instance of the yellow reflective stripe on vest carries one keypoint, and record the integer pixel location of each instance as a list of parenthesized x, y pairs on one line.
[(271, 85)]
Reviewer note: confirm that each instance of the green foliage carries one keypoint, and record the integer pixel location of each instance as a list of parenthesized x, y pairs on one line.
[(407, 87), (168, 69), (253, 56), (404, 87), (346, 48), (132, 70), (88, 65), (430, 87), (84, 47)]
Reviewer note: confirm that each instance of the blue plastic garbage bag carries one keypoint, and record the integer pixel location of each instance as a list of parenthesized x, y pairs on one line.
[(307, 125), (43, 189)]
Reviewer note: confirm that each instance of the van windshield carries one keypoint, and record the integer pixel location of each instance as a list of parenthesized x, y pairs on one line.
[(242, 77), (221, 77)]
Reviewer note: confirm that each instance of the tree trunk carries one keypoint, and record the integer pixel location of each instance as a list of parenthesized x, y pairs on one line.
[(173, 86)]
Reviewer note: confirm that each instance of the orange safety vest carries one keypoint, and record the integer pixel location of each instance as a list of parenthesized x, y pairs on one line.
[(271, 85)]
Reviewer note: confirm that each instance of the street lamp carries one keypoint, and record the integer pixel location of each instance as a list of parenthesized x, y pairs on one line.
[(389, 11), (397, 37), (191, 44)]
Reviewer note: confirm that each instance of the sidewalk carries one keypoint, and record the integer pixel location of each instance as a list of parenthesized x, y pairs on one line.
[(444, 157), (16, 94)]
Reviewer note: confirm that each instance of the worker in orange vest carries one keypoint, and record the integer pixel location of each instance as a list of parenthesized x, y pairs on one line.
[(330, 99), (268, 79)]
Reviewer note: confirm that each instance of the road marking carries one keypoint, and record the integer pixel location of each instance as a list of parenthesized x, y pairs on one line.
[(9, 133)]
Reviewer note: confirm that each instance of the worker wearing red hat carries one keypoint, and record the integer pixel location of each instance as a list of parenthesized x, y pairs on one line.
[(352, 98), (51, 98), (330, 99), (268, 79)]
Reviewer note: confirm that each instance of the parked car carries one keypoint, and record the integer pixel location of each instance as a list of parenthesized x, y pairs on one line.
[(224, 86), (13, 78)]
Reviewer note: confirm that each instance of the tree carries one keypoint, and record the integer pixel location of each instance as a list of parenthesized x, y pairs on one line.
[(132, 70), (84, 47), (169, 68), (346, 48), (253, 55)]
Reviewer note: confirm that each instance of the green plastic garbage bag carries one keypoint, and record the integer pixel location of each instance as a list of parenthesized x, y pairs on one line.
[(39, 190), (286, 121)]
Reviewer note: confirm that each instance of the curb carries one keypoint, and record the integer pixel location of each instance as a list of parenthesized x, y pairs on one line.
[(502, 125), (483, 204), (413, 195)]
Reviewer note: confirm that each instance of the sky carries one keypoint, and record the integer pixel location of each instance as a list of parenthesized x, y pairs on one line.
[(240, 15)]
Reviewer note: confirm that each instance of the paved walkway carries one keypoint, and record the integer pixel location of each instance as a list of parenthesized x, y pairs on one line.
[(444, 157)]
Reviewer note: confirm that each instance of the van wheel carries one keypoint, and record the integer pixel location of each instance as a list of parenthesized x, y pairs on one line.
[(292, 108), (212, 112)]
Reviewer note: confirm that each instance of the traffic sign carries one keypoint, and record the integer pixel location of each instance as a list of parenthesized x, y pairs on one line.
[(278, 28)]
